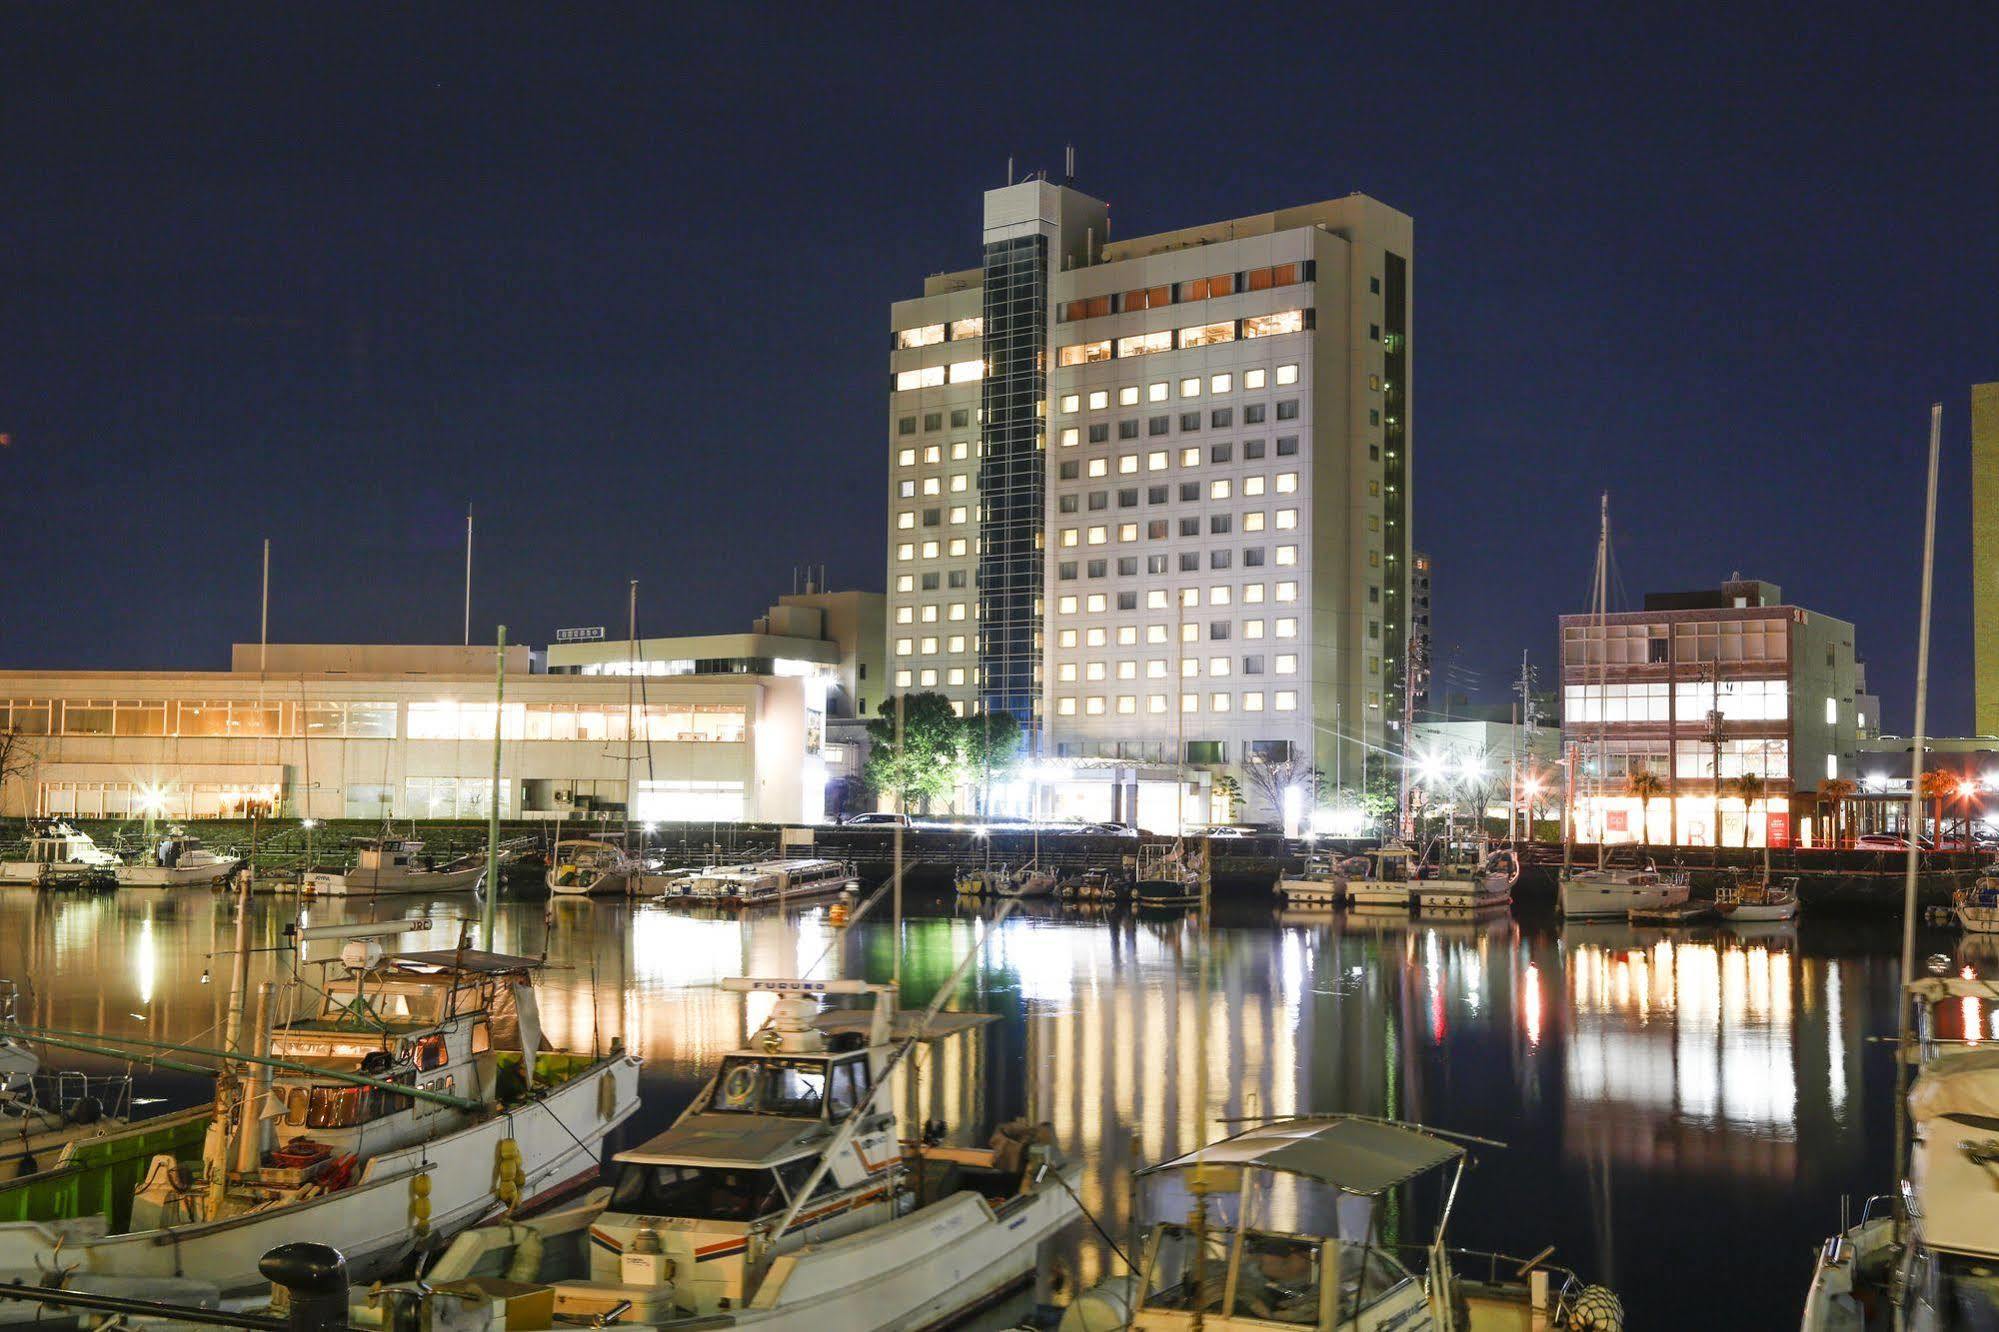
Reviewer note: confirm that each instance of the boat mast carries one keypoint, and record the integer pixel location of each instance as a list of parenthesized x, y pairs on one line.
[(489, 908), (1602, 674), (631, 689), (1915, 827), (228, 1081)]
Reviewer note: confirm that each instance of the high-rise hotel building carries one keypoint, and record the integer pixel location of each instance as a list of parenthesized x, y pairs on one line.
[(1152, 495)]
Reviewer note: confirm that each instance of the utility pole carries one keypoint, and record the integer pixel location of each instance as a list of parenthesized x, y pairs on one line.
[(1712, 670)]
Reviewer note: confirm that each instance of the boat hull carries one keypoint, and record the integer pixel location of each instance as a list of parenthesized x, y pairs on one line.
[(1312, 892), (561, 1135), (173, 876), (378, 883), (612, 883), (1978, 919), (1460, 894), (1747, 912), (1377, 893), (1585, 898)]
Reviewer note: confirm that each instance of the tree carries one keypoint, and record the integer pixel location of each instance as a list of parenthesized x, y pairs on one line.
[(1270, 779), (988, 746), (1230, 790), (925, 763), (1834, 792), (1748, 788), (1644, 786), (17, 759), (1938, 786)]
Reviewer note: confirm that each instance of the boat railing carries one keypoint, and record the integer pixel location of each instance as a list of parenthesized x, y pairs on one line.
[(1563, 1282)]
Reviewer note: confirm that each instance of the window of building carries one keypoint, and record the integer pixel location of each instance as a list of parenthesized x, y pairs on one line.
[(1287, 446), (1081, 353), (1207, 335), (1145, 344), (1157, 392), (922, 336), (1222, 417), (1190, 420), (1070, 402), (1287, 374), (1270, 325), (1190, 387)]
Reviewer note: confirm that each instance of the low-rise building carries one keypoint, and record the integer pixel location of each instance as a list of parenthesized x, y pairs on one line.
[(372, 731), (1700, 689)]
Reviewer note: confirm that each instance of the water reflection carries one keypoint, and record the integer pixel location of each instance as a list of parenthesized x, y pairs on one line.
[(1643, 1080)]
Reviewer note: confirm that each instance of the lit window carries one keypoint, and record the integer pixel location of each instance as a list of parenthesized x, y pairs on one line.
[(1098, 535), (930, 550), (1202, 335), (958, 451), (967, 372), (1285, 664), (1190, 633), (928, 647), (962, 329), (1220, 595), (956, 675), (1157, 460), (1190, 702), (1218, 702), (1190, 457), (1100, 467), (1128, 463), (1155, 703), (904, 614), (1094, 671), (1155, 633), (1219, 489), (1252, 628), (932, 454), (1068, 536), (1096, 603), (1832, 713), (1220, 383), (1156, 599), (1287, 554), (1069, 437), (1287, 374), (904, 646), (923, 336), (1287, 519), (1065, 707), (1252, 701), (1284, 700), (1127, 704), (905, 551), (1287, 628), (1287, 483), (1065, 605), (1144, 344), (1127, 532), (1093, 638), (932, 485), (1156, 392), (1127, 636), (903, 679), (1065, 673), (1218, 666), (905, 582), (957, 611), (1078, 353), (1264, 326), (1071, 401), (1253, 379), (1099, 400), (1252, 485), (1190, 596), (906, 458), (1093, 706), (958, 482), (957, 545), (1127, 396), (930, 376), (1191, 388), (907, 490), (928, 677), (1253, 593), (1156, 670), (905, 519), (1065, 638)]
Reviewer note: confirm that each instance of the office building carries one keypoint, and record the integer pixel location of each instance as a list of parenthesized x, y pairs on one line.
[(1701, 686), (1985, 555), (1152, 495), (372, 731)]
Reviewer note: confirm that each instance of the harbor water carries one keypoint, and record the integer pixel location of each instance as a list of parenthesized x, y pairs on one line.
[(1681, 1110)]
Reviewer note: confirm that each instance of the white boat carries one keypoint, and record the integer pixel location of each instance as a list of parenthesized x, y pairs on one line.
[(396, 1117), (1943, 1266), (781, 1200), (1283, 1225), (60, 854), (590, 868), (1618, 890), (1388, 878), (397, 865), (174, 861), (1464, 888), (780, 881), (1977, 908), (1323, 881), (1169, 877), (1757, 900), (1027, 881)]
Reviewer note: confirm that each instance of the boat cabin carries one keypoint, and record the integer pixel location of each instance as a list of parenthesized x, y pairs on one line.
[(58, 843)]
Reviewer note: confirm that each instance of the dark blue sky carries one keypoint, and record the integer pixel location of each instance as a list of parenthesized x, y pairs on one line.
[(619, 276)]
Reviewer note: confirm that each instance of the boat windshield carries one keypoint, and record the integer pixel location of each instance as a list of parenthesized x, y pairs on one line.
[(753, 1086), (1281, 1277), (698, 1193)]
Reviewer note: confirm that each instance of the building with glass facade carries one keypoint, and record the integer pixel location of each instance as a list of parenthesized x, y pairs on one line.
[(1700, 689), (1152, 496)]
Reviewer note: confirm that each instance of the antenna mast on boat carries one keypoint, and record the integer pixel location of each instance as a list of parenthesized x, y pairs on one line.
[(489, 909), (631, 689), (1602, 673), (468, 574), (1914, 830)]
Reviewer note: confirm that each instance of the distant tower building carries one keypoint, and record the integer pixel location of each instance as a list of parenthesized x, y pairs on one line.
[(1419, 635), (1985, 553), (1152, 495)]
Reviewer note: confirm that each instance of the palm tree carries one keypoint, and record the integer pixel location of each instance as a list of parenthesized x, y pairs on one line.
[(1748, 788), (1938, 786), (1644, 786), (1834, 792)]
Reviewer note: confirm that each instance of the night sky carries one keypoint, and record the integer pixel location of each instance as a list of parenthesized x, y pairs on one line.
[(619, 277)]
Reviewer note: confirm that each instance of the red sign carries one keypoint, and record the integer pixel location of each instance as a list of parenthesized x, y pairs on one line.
[(1616, 820), (1777, 829)]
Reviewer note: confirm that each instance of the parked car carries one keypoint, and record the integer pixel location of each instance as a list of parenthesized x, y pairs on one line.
[(1888, 842), (878, 820)]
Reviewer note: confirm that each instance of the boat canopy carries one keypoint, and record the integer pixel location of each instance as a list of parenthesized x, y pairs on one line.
[(906, 1026), (1965, 1085), (1364, 1157), (465, 959)]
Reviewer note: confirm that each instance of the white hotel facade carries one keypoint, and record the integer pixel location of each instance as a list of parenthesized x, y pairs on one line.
[(1153, 495)]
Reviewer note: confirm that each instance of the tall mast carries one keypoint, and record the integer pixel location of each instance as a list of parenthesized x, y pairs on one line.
[(1915, 819), (1602, 673), (489, 907), (631, 689)]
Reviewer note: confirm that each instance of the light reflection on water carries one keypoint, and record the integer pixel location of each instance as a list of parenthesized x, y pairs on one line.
[(1663, 1097)]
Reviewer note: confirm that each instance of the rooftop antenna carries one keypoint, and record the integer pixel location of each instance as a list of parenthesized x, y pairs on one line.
[(1009, 169), (468, 573), (1069, 162)]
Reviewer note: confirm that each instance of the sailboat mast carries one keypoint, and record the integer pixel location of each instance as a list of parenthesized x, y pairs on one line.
[(489, 907), (1602, 673), (1915, 820), (631, 689)]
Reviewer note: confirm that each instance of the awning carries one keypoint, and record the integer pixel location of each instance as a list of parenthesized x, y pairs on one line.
[(1359, 1156)]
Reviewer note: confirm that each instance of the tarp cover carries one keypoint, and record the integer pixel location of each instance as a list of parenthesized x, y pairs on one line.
[(1362, 1156), (1964, 1084)]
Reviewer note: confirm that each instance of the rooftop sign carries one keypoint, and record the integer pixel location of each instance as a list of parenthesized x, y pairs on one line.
[(590, 635)]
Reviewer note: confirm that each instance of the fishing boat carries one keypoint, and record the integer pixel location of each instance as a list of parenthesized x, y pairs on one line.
[(1025, 881), (591, 868), (781, 1199), (1388, 878), (1757, 900), (1976, 908), (1938, 1268), (1170, 878), (1467, 887), (415, 1098), (176, 860), (1618, 890), (775, 881), (1322, 882), (60, 855), (1284, 1224), (385, 865)]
